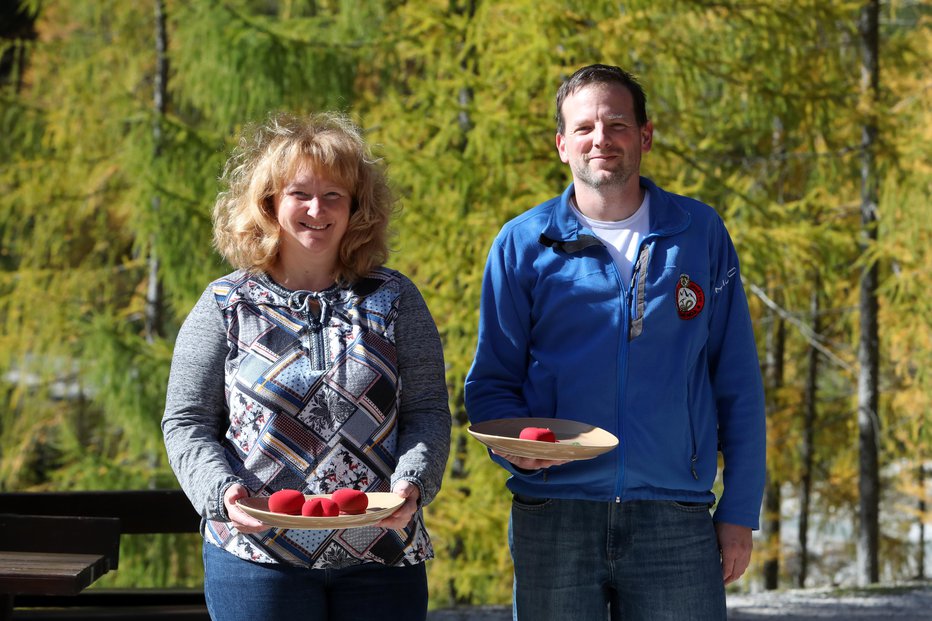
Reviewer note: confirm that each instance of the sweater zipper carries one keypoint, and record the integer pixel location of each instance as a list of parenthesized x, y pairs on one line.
[(314, 343), (315, 339), (301, 302)]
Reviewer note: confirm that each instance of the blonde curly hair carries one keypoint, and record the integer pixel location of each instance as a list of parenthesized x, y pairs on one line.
[(246, 231)]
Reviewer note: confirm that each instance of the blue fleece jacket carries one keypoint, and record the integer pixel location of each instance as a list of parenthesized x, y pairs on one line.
[(666, 362)]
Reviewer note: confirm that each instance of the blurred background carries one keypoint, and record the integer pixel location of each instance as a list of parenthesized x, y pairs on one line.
[(806, 124)]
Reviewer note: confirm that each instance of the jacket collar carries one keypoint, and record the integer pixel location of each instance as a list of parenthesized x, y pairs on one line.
[(565, 230)]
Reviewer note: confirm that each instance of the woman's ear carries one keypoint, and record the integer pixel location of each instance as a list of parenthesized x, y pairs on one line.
[(268, 206)]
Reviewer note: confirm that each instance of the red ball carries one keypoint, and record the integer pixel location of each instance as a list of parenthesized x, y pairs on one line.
[(330, 508), (541, 434), (320, 507), (312, 508), (287, 501), (351, 501)]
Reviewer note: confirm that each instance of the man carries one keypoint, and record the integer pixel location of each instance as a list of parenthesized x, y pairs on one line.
[(620, 305)]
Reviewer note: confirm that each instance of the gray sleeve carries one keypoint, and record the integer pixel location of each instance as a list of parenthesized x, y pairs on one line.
[(196, 410), (424, 414)]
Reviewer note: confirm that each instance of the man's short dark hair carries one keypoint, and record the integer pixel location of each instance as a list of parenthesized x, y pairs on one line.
[(602, 74)]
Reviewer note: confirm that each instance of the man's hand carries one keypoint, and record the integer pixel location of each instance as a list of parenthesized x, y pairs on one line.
[(735, 544), (529, 463)]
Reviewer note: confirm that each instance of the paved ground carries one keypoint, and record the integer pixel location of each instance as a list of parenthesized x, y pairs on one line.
[(911, 602)]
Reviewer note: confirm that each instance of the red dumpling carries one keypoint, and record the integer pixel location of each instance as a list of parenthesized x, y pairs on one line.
[(287, 501), (541, 434), (320, 507), (351, 501)]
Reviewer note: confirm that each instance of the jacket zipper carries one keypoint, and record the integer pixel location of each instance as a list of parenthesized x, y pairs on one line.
[(692, 438), (628, 304), (623, 377)]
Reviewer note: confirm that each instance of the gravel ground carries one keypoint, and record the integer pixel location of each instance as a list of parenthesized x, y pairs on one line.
[(491, 613), (912, 602)]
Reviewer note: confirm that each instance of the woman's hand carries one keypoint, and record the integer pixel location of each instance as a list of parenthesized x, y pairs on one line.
[(402, 517), (243, 522)]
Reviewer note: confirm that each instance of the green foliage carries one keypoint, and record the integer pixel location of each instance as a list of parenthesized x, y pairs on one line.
[(153, 561), (756, 109), (469, 528)]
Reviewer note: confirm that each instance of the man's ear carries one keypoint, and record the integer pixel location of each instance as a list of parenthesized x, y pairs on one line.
[(647, 137), (561, 148)]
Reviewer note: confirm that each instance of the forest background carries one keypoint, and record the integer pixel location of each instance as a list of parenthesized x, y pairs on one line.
[(116, 117)]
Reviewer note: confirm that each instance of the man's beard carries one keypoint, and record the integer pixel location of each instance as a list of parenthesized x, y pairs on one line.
[(598, 179)]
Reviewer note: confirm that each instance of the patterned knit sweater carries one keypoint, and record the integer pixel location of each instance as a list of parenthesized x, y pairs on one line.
[(274, 389)]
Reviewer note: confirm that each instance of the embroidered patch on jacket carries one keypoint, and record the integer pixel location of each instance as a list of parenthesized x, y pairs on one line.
[(689, 298)]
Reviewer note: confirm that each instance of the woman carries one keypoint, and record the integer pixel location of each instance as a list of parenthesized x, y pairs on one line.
[(311, 367)]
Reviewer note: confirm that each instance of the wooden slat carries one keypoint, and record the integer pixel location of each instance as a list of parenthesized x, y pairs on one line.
[(73, 535), (49, 573), (122, 598), (141, 613), (139, 511)]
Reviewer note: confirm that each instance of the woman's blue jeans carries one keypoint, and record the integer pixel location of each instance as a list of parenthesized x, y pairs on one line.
[(239, 590), (630, 561)]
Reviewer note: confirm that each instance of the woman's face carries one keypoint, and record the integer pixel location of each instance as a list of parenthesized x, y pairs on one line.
[(313, 212)]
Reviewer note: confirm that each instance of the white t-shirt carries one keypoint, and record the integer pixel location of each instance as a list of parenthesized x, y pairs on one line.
[(621, 237)]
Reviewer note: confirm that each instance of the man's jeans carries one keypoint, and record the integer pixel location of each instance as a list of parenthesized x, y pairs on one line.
[(633, 561), (239, 590)]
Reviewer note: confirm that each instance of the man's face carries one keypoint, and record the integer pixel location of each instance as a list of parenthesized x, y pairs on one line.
[(601, 140)]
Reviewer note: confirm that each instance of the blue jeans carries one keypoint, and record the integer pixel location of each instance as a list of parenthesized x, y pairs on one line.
[(239, 590), (630, 561)]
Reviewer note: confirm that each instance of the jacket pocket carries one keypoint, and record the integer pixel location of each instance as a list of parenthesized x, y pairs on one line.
[(529, 503)]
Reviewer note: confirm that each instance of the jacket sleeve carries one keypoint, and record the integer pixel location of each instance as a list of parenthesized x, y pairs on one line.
[(495, 382), (424, 420), (739, 393), (196, 412)]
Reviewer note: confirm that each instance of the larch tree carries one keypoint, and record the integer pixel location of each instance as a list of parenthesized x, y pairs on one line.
[(460, 104), (125, 112), (119, 115)]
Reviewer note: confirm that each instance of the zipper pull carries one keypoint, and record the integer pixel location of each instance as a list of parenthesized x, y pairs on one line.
[(692, 466)]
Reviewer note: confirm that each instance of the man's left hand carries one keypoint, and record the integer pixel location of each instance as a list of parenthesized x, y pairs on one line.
[(735, 544)]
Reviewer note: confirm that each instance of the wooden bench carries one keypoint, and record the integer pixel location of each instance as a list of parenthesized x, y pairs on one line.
[(135, 512), (46, 555)]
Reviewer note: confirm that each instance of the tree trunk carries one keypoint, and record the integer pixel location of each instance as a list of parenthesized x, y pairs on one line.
[(808, 447), (921, 505), (773, 379), (153, 327), (868, 417), (776, 339)]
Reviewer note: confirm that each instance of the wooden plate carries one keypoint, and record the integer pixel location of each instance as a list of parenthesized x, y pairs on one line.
[(575, 440), (381, 505)]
